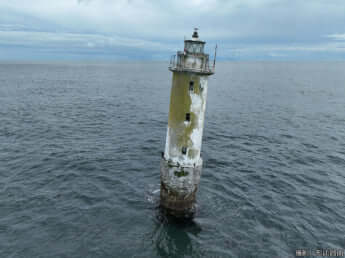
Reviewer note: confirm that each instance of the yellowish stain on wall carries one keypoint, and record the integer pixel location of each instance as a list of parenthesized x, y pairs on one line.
[(180, 104)]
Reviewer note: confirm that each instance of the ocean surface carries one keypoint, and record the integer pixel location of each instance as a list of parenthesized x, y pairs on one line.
[(80, 150)]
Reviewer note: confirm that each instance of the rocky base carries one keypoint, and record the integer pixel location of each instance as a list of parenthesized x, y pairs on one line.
[(177, 206), (178, 188)]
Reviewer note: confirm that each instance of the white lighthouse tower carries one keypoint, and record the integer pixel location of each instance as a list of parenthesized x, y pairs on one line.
[(181, 161)]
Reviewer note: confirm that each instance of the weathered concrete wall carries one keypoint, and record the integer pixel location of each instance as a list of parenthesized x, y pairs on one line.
[(180, 173), (181, 164), (181, 133), (178, 187)]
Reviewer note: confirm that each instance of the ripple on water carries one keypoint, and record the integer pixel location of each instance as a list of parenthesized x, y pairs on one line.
[(80, 150)]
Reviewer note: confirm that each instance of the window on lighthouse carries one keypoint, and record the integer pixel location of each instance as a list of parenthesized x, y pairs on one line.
[(191, 86), (184, 150), (188, 117)]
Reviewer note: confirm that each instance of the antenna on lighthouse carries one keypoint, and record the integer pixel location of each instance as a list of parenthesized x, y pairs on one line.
[(215, 56)]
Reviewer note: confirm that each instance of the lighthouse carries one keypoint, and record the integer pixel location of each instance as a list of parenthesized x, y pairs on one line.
[(181, 162)]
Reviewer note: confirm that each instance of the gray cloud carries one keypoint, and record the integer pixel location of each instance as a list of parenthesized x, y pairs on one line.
[(272, 28)]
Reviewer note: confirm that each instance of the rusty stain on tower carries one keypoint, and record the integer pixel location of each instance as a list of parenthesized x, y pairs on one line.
[(181, 162)]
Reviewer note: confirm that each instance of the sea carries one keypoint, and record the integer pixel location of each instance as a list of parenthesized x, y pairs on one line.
[(80, 148)]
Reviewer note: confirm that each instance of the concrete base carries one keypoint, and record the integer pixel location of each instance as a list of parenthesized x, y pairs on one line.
[(178, 188)]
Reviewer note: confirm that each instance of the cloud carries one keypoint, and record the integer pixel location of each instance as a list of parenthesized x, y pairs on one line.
[(273, 27), (339, 37), (58, 39)]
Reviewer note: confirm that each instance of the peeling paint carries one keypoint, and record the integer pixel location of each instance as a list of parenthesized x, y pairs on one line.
[(184, 185), (181, 133)]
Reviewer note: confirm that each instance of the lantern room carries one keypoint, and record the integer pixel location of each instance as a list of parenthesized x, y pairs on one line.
[(194, 45), (192, 59)]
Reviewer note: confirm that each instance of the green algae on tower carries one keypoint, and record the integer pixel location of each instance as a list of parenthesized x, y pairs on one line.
[(181, 161)]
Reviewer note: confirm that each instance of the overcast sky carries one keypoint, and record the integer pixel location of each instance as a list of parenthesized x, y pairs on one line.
[(155, 29)]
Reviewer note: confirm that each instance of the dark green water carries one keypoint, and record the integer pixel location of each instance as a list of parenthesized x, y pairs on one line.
[(80, 149)]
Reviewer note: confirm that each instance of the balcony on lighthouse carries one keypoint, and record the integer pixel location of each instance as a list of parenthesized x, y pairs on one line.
[(193, 58)]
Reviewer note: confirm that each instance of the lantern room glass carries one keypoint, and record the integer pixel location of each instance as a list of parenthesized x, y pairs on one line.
[(194, 47)]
